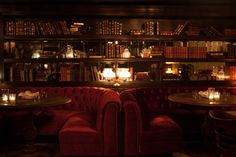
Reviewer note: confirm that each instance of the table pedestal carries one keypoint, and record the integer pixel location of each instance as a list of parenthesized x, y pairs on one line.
[(17, 150)]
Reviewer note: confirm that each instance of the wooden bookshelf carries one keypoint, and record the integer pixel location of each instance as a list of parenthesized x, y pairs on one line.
[(211, 22)]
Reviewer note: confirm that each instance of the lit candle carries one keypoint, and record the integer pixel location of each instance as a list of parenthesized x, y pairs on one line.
[(12, 97), (4, 97), (211, 96), (217, 95)]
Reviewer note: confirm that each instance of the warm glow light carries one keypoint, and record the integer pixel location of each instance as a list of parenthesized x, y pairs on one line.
[(36, 55), (223, 77), (108, 73), (78, 23), (45, 66), (220, 77), (12, 97), (4, 97), (217, 95), (70, 55), (211, 96), (123, 73), (169, 71)]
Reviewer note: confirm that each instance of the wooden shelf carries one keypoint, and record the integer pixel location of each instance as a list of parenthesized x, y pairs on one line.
[(217, 11), (77, 60), (120, 37)]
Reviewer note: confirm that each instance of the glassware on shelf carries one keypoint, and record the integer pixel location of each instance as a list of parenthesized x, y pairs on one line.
[(214, 72), (126, 53), (146, 52), (69, 51), (221, 74)]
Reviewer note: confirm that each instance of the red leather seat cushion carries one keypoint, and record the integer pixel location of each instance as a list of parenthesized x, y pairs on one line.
[(79, 130), (164, 135), (163, 122), (78, 136), (161, 128)]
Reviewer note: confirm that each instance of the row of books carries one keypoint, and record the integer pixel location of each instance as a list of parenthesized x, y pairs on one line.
[(228, 50), (80, 73), (68, 72), (151, 28), (179, 29), (230, 32), (232, 72), (24, 72), (20, 27), (28, 28), (189, 29), (212, 31), (104, 27), (231, 49), (212, 46), (114, 50), (108, 27), (185, 52)]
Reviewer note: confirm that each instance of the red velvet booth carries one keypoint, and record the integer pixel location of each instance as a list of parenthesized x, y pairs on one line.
[(148, 129), (86, 126), (153, 124)]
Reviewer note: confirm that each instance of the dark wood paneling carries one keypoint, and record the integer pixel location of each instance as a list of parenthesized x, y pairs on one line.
[(123, 9)]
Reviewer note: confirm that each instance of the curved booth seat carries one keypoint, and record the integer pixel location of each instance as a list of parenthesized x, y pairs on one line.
[(153, 124), (86, 126), (148, 130)]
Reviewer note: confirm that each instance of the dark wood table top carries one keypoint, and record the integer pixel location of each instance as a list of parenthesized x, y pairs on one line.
[(187, 99), (49, 101)]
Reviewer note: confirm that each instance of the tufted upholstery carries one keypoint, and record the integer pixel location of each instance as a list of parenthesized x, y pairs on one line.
[(88, 124), (155, 125)]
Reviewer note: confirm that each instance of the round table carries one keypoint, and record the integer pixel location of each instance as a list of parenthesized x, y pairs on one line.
[(40, 102), (189, 101), (29, 105)]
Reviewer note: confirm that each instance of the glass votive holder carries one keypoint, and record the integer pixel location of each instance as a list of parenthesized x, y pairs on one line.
[(217, 95), (4, 97), (4, 94), (12, 97), (211, 96)]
